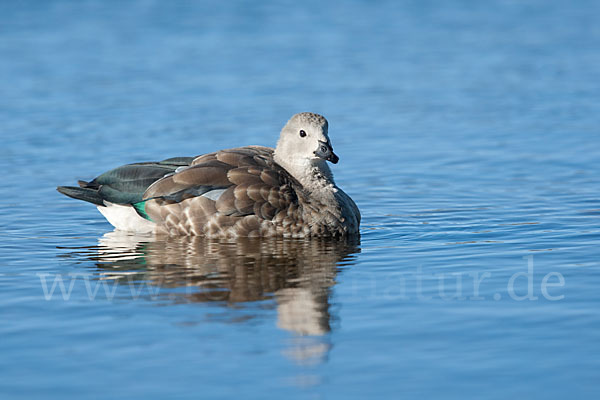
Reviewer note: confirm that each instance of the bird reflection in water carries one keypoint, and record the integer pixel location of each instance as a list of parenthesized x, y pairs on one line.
[(297, 275)]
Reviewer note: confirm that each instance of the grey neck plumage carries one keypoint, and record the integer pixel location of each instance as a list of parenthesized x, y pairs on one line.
[(314, 175)]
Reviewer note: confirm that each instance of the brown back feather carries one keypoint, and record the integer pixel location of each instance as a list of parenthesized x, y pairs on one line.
[(255, 186)]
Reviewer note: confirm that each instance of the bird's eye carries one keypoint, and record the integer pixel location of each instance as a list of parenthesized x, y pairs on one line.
[(302, 133)]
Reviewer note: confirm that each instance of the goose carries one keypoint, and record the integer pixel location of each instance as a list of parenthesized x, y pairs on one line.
[(251, 191)]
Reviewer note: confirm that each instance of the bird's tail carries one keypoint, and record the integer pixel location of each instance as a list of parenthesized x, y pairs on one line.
[(90, 195)]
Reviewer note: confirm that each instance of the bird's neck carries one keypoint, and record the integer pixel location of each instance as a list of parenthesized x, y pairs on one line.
[(314, 175)]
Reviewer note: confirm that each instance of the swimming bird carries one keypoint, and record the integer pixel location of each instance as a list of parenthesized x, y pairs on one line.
[(251, 191)]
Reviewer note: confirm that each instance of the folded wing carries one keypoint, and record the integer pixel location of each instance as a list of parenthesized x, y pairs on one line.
[(240, 190)]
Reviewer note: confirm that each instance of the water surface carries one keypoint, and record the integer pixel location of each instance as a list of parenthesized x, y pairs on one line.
[(468, 137)]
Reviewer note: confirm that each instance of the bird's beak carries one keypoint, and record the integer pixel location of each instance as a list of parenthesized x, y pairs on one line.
[(325, 151)]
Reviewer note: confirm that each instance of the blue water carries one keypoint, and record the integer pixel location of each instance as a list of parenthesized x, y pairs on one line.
[(468, 133)]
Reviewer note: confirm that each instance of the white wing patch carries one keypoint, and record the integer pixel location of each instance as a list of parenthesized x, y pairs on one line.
[(214, 194)]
